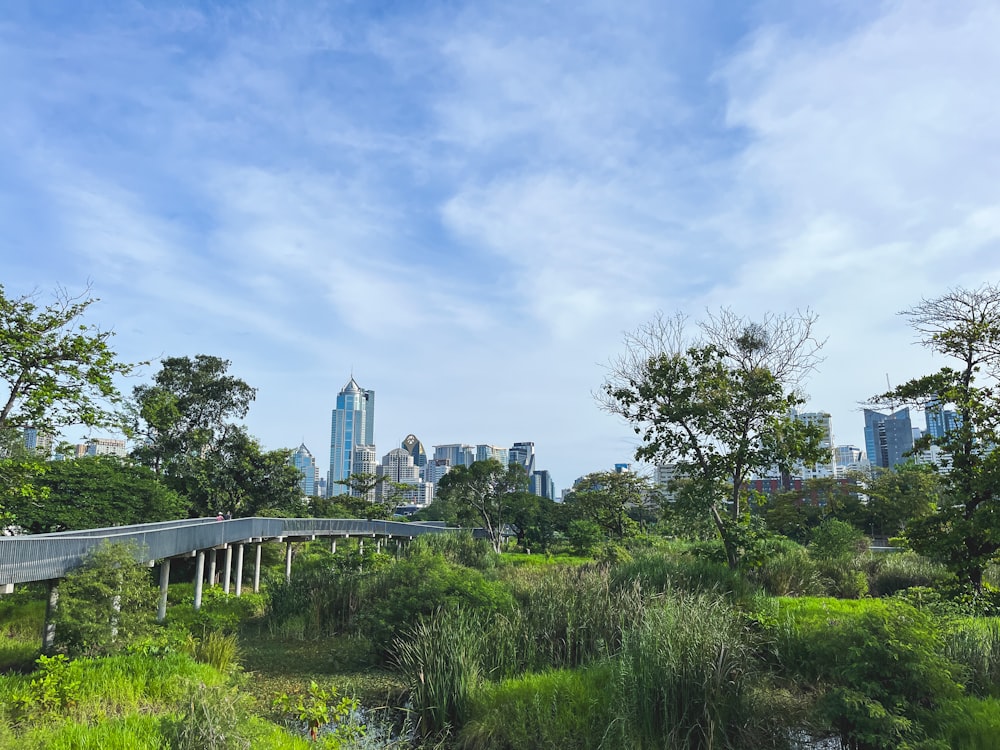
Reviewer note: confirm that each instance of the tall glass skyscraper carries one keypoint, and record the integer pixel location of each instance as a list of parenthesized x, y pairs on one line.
[(353, 424)]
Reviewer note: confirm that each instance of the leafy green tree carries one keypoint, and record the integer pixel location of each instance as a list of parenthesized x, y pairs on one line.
[(105, 604), (717, 406), (900, 495), (96, 491), (607, 497), (486, 488), (236, 475), (55, 371), (189, 405), (963, 530), (532, 518)]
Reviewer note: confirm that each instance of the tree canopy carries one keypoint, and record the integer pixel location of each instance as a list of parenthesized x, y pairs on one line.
[(963, 531), (717, 406), (486, 488)]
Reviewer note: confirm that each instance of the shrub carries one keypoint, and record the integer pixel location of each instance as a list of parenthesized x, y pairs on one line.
[(835, 539), (898, 571), (791, 572), (460, 548), (882, 661), (662, 572), (974, 644), (213, 718), (104, 604)]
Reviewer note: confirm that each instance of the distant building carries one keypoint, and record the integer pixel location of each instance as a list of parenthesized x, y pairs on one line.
[(102, 447), (398, 468), (888, 437), (416, 449), (456, 454), (37, 441), (352, 424), (825, 467), (541, 484), (940, 421), (303, 460), (435, 469), (486, 452), (848, 459), (523, 454)]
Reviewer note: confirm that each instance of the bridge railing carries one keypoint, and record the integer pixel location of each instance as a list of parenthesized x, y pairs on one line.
[(39, 557)]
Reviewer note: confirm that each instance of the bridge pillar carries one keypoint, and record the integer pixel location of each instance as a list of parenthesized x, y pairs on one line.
[(256, 569), (228, 568), (161, 608), (378, 546), (49, 628), (288, 562), (333, 546), (199, 577), (212, 554), (239, 569)]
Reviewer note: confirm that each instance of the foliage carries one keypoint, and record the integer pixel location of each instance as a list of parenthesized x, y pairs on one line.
[(716, 408), (320, 707), (605, 498), (487, 488), (584, 536), (963, 531), (57, 370), (834, 539), (882, 662), (899, 495), (974, 644), (96, 491), (533, 519), (894, 572), (53, 691), (564, 709), (104, 604), (459, 548), (213, 718), (188, 405)]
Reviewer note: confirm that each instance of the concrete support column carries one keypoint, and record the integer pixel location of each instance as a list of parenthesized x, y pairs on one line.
[(333, 546), (228, 568), (256, 569), (239, 569), (378, 545), (361, 545), (161, 609), (211, 567), (288, 562), (199, 577), (49, 628)]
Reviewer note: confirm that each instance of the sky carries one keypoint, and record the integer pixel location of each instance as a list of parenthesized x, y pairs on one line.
[(466, 205)]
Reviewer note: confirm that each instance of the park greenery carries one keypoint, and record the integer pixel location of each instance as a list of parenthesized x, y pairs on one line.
[(699, 615)]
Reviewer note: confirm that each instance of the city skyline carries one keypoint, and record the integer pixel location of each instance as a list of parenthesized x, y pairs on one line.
[(468, 204)]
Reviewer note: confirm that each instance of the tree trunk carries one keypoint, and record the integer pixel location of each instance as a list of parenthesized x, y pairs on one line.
[(732, 557)]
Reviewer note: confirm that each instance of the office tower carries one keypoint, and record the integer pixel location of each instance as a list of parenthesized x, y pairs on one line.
[(541, 484), (457, 454), (485, 452), (523, 454), (303, 460), (353, 424), (940, 421), (38, 441), (888, 437), (416, 449), (398, 469), (826, 466), (435, 469)]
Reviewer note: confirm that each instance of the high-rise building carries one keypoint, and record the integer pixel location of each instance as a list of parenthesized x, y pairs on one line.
[(888, 437), (303, 460), (353, 424), (37, 441), (485, 452), (523, 454), (416, 449), (826, 466), (541, 484), (435, 469), (457, 454), (940, 421), (407, 487), (102, 447)]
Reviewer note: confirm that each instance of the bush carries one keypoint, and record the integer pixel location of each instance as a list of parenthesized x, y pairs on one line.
[(104, 604), (213, 718), (834, 539), (890, 573), (974, 644), (460, 548), (882, 662)]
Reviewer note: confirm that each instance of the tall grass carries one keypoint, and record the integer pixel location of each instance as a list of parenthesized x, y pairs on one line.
[(687, 674), (898, 571), (666, 572), (974, 644)]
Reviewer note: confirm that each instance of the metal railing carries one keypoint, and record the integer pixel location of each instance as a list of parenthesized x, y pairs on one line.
[(41, 557)]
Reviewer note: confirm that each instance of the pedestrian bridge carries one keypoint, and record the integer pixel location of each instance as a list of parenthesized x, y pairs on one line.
[(49, 557)]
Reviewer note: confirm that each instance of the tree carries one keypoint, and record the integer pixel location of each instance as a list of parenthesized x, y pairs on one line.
[(236, 475), (608, 497), (963, 531), (96, 491), (55, 371), (190, 403), (486, 488), (899, 495), (532, 519), (717, 406)]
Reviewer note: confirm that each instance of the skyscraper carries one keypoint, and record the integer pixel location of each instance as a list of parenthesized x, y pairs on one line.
[(353, 424), (888, 437), (523, 454), (303, 460), (826, 466), (416, 449), (457, 454), (940, 421)]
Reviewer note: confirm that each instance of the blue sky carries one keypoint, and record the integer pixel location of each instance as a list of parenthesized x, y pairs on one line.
[(468, 203)]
